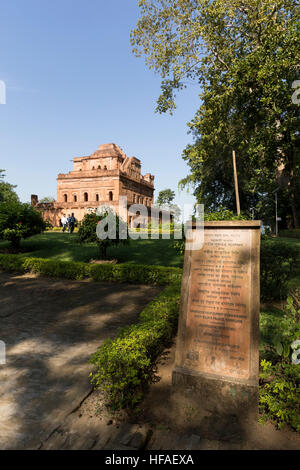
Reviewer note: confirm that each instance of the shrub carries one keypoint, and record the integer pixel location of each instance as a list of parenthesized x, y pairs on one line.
[(135, 273), (12, 263), (223, 214), (279, 394), (87, 232), (278, 260), (156, 275), (125, 365), (19, 221), (279, 377), (46, 267)]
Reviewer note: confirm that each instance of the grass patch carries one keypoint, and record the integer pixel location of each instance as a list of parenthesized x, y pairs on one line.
[(64, 247)]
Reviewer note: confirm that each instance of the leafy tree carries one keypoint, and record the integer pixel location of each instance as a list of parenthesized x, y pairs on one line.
[(244, 55), (164, 200), (166, 196), (176, 212), (47, 199), (19, 221), (7, 193), (87, 232)]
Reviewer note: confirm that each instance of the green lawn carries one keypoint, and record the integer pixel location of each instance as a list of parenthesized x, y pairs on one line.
[(64, 246)]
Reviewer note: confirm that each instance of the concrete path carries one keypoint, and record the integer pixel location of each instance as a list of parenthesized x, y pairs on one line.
[(51, 327)]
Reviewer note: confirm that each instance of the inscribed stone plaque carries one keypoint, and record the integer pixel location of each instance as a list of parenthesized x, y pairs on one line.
[(218, 325)]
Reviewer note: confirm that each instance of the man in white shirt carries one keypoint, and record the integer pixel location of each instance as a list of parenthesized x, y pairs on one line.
[(64, 222)]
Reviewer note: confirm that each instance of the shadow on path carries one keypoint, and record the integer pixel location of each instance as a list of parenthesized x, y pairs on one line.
[(51, 327)]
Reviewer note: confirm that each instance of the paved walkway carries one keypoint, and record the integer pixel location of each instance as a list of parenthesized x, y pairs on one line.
[(50, 328)]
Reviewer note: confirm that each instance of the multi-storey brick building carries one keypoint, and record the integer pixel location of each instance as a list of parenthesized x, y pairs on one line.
[(101, 178)]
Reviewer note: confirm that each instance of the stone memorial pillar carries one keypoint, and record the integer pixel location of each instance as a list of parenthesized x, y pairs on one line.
[(217, 346)]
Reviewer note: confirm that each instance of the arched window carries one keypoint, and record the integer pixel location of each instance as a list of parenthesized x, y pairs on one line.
[(105, 167), (65, 197), (93, 168), (86, 197), (99, 167), (97, 197), (110, 195), (75, 198)]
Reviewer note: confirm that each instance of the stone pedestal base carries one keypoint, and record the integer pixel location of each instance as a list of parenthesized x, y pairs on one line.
[(222, 396)]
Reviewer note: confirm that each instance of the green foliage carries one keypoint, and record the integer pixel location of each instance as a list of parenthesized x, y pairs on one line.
[(47, 199), (7, 193), (46, 267), (88, 226), (166, 196), (126, 365), (279, 377), (19, 221), (131, 273), (278, 262), (135, 273), (165, 201), (244, 55), (221, 214), (279, 331), (48, 225), (179, 246), (279, 394)]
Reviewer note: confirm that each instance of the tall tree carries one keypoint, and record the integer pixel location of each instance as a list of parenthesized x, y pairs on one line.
[(7, 193), (244, 54), (166, 196)]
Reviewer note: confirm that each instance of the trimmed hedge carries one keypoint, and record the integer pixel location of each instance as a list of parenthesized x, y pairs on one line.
[(135, 273), (278, 261), (125, 365), (46, 267)]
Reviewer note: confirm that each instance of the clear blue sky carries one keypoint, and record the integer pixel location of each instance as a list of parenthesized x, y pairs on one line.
[(73, 84)]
